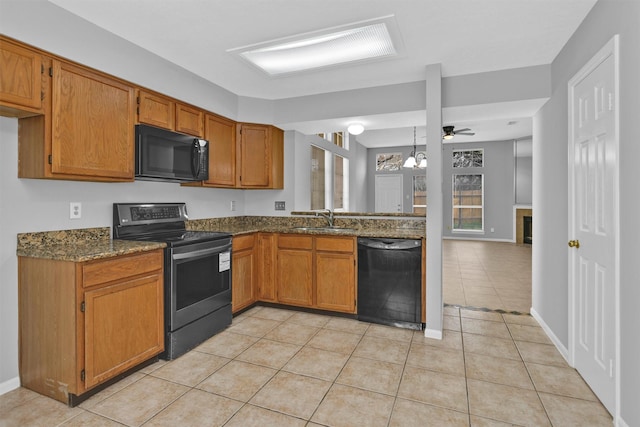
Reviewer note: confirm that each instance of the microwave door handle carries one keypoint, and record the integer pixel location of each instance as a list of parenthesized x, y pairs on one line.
[(196, 153)]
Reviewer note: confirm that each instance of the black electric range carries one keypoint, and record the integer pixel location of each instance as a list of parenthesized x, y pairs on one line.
[(197, 271)]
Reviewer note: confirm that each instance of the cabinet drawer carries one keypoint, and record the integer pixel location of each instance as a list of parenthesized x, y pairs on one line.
[(291, 241), (241, 243), (95, 273), (335, 244)]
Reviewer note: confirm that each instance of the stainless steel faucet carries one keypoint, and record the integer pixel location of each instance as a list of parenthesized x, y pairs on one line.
[(328, 215)]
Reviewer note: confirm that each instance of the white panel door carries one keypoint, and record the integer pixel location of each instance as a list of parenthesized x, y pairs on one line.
[(593, 225), (388, 193)]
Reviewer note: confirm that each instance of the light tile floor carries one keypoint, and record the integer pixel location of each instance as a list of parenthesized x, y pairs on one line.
[(276, 367), (487, 274)]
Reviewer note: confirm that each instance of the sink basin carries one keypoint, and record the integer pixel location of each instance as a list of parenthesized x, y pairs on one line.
[(323, 229)]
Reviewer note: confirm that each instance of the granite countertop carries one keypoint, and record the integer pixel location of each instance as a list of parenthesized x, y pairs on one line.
[(358, 227), (95, 243), (78, 245), (393, 233)]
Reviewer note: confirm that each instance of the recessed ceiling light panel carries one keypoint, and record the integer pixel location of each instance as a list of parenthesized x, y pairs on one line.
[(340, 45)]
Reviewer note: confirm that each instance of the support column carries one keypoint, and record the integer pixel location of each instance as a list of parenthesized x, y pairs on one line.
[(434, 202)]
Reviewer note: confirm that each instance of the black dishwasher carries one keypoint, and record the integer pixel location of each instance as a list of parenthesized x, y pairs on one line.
[(389, 281)]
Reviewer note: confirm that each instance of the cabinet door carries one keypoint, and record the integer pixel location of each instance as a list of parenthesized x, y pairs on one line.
[(294, 277), (93, 124), (243, 272), (254, 157), (20, 80), (267, 267), (123, 327), (335, 281), (189, 120), (156, 110), (221, 134)]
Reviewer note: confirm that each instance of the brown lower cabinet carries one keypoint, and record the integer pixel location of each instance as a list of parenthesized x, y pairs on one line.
[(317, 272), (83, 323), (243, 271)]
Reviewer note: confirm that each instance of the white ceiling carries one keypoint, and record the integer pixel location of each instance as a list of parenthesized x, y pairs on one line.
[(464, 36)]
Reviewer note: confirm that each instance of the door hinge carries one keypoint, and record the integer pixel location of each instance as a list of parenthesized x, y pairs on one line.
[(138, 100), (41, 68), (610, 101), (82, 375), (138, 111), (50, 71), (50, 159), (82, 306), (610, 368)]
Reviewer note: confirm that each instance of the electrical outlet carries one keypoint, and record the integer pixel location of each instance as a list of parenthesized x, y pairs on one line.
[(280, 206), (233, 205), (75, 210)]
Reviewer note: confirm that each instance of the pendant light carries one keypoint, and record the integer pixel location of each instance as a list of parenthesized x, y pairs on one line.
[(415, 160)]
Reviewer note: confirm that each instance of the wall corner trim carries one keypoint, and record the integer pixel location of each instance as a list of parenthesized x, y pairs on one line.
[(433, 333), (9, 385)]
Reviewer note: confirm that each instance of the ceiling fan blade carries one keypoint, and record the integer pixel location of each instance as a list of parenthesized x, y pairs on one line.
[(461, 130), (465, 133)]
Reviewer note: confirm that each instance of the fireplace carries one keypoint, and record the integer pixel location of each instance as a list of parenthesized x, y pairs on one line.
[(527, 229), (519, 214)]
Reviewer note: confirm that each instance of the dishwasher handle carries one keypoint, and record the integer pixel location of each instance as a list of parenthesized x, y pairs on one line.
[(389, 244)]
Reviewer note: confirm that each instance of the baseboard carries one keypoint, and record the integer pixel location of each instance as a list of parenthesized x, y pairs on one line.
[(433, 333), (561, 348), (620, 422), (478, 238), (9, 385)]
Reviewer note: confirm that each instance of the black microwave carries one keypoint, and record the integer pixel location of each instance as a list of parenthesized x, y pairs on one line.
[(163, 155)]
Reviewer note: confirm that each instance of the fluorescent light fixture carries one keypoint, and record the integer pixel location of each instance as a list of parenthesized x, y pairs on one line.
[(339, 45), (355, 129)]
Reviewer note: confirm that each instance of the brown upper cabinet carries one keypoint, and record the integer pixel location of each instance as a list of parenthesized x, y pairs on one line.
[(221, 134), (260, 156), (161, 111), (21, 92), (156, 110), (243, 155), (86, 132)]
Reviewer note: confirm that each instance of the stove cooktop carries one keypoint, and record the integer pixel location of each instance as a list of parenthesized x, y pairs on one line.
[(180, 238), (158, 222)]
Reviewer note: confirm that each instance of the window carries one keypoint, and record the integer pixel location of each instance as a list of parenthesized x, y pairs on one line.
[(468, 158), (468, 203), (420, 194), (317, 178), (329, 180), (336, 138), (338, 181)]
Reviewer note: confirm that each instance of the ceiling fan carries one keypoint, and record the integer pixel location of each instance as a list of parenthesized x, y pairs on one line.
[(449, 132)]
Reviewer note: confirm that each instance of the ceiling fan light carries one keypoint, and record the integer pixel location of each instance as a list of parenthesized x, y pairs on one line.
[(447, 136), (355, 128)]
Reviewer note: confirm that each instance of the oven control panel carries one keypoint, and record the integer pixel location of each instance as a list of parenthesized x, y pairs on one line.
[(148, 213)]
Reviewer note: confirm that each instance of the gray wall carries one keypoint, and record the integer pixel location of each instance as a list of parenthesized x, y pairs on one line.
[(407, 176), (524, 180), (499, 184), (550, 190)]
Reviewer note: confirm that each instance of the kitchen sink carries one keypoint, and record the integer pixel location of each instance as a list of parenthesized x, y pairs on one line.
[(323, 229)]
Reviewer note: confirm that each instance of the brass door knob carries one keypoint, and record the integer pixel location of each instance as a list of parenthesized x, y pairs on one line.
[(574, 244)]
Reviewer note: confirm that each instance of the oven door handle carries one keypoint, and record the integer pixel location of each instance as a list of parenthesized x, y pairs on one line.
[(194, 254)]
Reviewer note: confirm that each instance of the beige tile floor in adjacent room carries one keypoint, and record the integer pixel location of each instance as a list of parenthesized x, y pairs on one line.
[(276, 367), (487, 274)]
